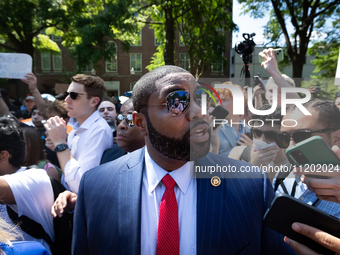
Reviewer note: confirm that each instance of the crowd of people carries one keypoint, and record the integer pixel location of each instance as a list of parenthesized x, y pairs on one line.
[(120, 179)]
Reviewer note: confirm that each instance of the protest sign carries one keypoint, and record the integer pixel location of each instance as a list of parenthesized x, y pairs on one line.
[(15, 65)]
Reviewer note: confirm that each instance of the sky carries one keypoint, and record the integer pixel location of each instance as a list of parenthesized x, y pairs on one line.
[(246, 24)]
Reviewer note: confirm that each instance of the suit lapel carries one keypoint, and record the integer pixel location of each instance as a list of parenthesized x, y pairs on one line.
[(129, 205), (210, 211)]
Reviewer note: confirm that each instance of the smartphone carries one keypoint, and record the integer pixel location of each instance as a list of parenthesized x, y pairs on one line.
[(317, 90), (278, 54), (220, 114), (285, 210), (312, 151)]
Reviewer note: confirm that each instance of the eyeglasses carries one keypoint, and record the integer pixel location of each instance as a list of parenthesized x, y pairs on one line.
[(282, 140), (73, 95), (269, 135), (128, 119), (182, 98)]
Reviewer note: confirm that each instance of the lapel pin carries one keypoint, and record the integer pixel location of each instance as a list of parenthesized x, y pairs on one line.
[(215, 181)]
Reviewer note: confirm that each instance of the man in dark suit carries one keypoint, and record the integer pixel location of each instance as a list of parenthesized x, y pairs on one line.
[(147, 203)]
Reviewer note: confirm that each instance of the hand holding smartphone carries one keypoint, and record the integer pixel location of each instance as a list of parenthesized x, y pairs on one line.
[(285, 210), (220, 114)]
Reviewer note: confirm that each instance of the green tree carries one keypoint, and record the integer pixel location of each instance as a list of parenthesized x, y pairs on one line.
[(204, 26), (22, 21), (327, 52), (205, 29), (95, 25), (306, 17)]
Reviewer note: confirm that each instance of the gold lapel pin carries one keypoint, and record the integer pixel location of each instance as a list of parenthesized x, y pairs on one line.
[(215, 181)]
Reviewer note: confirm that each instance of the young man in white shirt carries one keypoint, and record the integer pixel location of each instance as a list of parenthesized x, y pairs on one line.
[(91, 135), (27, 193)]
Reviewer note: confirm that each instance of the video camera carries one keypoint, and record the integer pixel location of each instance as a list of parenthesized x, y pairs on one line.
[(247, 46)]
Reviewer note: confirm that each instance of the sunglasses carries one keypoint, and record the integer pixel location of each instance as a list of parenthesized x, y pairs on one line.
[(73, 95), (177, 102), (269, 135), (282, 140), (128, 119)]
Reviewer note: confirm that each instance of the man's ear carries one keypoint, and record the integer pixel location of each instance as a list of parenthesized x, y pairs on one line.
[(139, 121), (94, 101), (335, 138), (4, 157)]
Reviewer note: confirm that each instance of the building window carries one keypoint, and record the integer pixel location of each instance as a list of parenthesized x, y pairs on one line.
[(232, 59), (112, 65), (181, 41), (217, 67), (136, 61), (138, 41), (87, 68), (232, 75), (132, 84), (45, 61), (56, 38), (158, 42), (57, 62), (184, 57)]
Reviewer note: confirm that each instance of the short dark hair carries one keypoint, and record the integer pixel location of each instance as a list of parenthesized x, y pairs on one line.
[(35, 146), (146, 85), (57, 106), (328, 113), (275, 115), (12, 140), (93, 86)]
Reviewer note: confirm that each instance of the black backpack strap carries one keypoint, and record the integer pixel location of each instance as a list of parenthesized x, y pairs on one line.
[(280, 178), (29, 226), (245, 156)]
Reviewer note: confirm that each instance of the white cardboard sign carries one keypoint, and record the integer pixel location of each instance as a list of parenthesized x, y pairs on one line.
[(15, 65), (337, 75)]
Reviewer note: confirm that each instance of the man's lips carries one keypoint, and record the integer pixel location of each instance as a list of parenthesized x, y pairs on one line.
[(199, 133)]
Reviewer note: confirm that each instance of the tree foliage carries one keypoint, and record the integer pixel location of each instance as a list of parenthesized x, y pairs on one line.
[(87, 27), (306, 17), (21, 22), (204, 26)]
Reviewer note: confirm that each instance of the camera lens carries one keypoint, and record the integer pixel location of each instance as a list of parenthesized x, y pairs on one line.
[(299, 157)]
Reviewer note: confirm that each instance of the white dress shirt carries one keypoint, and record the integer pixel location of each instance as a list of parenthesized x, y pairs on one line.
[(152, 193), (87, 144)]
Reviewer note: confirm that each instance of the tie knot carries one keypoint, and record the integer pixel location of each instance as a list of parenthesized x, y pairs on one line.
[(168, 182)]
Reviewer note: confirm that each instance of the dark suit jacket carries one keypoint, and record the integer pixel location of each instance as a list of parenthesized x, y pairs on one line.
[(112, 154), (229, 217)]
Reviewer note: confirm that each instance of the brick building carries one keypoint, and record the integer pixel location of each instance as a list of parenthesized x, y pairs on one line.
[(121, 73)]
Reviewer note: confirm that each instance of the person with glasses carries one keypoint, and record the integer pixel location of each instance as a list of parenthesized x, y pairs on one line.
[(264, 131), (146, 202), (324, 122), (91, 135), (128, 137)]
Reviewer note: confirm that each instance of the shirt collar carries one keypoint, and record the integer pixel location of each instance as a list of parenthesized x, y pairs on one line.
[(88, 122), (155, 174)]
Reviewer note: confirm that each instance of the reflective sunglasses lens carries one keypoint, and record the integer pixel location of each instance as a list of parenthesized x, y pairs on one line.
[(119, 119), (129, 120), (177, 102), (301, 136), (199, 97)]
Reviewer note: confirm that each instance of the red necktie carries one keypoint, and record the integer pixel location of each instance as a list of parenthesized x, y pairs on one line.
[(168, 233)]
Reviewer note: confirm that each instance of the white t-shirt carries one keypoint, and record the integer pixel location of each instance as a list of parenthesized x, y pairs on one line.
[(34, 198)]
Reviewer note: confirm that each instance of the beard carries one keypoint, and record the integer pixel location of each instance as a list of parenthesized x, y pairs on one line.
[(178, 149)]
